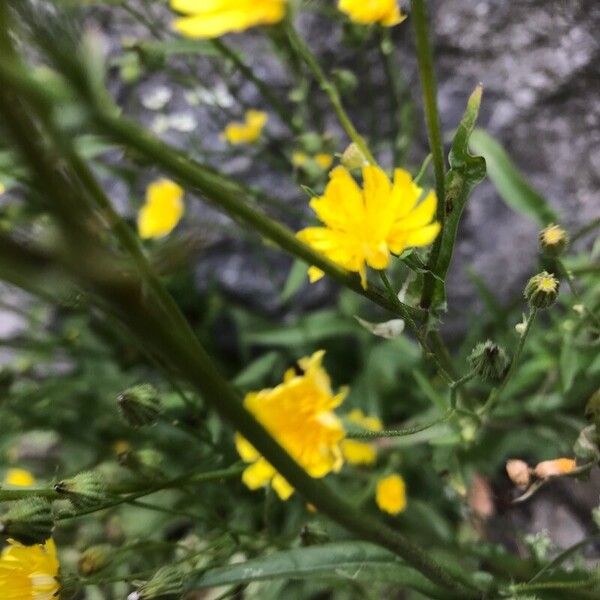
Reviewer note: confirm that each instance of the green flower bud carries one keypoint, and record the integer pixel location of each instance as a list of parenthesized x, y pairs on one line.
[(94, 559), (541, 290), (353, 158), (592, 409), (554, 240), (28, 521), (345, 81), (147, 462), (489, 361), (168, 580), (140, 405), (586, 446), (84, 490)]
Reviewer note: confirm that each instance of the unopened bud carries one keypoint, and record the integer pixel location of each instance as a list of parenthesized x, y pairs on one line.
[(489, 361), (554, 240), (541, 290), (140, 405), (28, 521), (518, 472), (553, 468), (147, 462), (353, 158), (94, 559), (168, 580), (84, 490)]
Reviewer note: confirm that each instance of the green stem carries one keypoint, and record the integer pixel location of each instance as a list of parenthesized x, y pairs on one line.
[(594, 224), (494, 397), (573, 286), (303, 52), (434, 131), (370, 435)]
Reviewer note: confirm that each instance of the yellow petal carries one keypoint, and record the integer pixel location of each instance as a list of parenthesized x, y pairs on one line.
[(19, 478), (390, 494), (245, 449), (423, 236), (421, 215), (283, 489), (258, 474), (359, 453), (314, 274), (162, 211)]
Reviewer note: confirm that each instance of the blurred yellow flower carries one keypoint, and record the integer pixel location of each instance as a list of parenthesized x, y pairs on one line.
[(29, 572), (298, 413), (322, 160), (19, 478), (213, 18), (363, 226), (356, 452), (365, 12), (2, 188), (247, 132), (162, 211), (391, 494)]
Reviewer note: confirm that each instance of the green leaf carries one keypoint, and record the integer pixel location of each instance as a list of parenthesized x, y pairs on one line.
[(466, 171), (341, 560), (296, 277), (509, 181), (256, 372)]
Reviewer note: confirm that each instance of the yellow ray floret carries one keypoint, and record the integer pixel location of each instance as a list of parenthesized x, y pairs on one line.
[(29, 572), (298, 413), (213, 18), (362, 227), (366, 12), (162, 211), (356, 452), (19, 478), (390, 494), (246, 132)]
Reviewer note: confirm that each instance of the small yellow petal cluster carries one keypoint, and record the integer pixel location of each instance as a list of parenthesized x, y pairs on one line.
[(162, 211), (248, 131), (298, 413), (364, 226), (19, 478), (29, 572), (213, 18), (390, 494), (356, 452), (366, 12), (547, 283), (322, 160)]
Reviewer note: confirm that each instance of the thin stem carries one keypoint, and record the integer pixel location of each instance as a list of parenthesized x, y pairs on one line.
[(494, 397), (594, 224), (304, 53), (573, 286), (434, 131), (370, 435), (260, 85)]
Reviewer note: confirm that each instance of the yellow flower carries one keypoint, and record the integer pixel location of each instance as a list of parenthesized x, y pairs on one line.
[(391, 494), (29, 572), (298, 413), (19, 478), (365, 12), (162, 211), (354, 451), (299, 159), (247, 132), (363, 226), (2, 188), (213, 18), (322, 160)]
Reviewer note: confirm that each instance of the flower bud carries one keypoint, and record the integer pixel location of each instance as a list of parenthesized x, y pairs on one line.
[(554, 240), (147, 462), (167, 580), (84, 490), (553, 468), (94, 559), (592, 409), (518, 472), (140, 405), (541, 290), (489, 361), (353, 158), (28, 521)]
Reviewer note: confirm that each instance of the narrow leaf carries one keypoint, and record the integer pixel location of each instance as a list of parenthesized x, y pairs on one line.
[(388, 329)]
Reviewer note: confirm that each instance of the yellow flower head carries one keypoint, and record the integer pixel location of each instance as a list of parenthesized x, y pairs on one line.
[(213, 18), (390, 494), (29, 572), (354, 451), (363, 226), (322, 160), (247, 132), (365, 12), (19, 478), (298, 413), (162, 211)]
